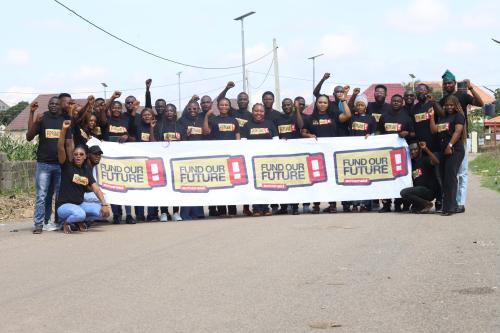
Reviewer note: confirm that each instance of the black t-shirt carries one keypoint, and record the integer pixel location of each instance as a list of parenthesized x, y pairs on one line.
[(117, 127), (192, 127), (272, 114), (321, 125), (394, 122), (419, 114), (224, 128), (464, 99), (446, 128), (74, 182), (169, 130), (423, 173), (241, 115), (97, 132), (336, 110), (80, 136), (362, 124), (48, 134), (143, 132), (263, 130), (287, 126), (377, 110)]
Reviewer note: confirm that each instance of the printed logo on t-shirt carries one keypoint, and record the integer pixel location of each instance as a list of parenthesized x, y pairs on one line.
[(226, 127), (419, 117), (443, 127), (322, 122), (290, 128), (376, 116), (192, 130), (392, 127), (145, 136), (241, 121), (259, 131), (417, 173), (51, 133), (171, 136), (359, 126), (80, 180), (117, 129)]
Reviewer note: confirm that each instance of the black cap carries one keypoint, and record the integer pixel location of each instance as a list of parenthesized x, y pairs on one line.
[(95, 150)]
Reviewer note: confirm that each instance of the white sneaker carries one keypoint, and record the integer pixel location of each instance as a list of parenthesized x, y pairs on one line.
[(176, 217), (50, 227), (163, 217)]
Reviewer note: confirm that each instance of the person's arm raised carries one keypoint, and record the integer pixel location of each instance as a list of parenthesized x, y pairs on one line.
[(61, 149), (149, 104), (206, 127), (317, 89), (223, 93), (33, 125), (434, 159)]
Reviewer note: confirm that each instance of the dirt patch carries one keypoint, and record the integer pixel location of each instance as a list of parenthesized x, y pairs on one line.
[(16, 206)]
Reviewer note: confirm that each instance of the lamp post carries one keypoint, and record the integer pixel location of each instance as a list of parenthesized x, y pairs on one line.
[(241, 18), (179, 88), (412, 81), (105, 86), (313, 58)]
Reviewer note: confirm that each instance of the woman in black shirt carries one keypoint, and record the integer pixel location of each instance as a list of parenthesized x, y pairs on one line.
[(76, 178), (452, 135)]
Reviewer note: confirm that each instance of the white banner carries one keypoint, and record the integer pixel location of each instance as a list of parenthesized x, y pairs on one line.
[(202, 173)]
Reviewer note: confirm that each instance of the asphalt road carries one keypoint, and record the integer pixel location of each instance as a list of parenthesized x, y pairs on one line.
[(316, 273)]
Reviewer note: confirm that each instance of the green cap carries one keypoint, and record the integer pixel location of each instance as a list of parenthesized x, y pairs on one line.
[(448, 76)]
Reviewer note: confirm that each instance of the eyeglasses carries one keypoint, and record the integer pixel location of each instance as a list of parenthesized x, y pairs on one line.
[(78, 154), (129, 102)]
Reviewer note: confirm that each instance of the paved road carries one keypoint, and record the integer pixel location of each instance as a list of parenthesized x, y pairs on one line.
[(326, 273)]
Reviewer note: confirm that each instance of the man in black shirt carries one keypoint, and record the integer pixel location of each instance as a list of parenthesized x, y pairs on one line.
[(409, 98), (395, 121), (241, 114), (48, 172), (268, 101), (160, 103), (379, 107), (449, 88), (424, 188)]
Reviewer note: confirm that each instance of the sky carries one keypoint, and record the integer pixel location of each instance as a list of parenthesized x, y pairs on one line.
[(47, 49)]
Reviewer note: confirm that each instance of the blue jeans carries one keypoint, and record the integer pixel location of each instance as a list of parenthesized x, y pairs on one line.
[(86, 211), (260, 208), (463, 179), (47, 180), (190, 212)]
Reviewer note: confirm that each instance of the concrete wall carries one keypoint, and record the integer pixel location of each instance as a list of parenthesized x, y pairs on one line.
[(16, 174)]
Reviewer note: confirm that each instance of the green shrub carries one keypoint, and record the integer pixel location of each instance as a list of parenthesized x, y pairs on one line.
[(17, 149)]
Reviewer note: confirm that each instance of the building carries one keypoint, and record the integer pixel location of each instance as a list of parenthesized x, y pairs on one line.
[(3, 106)]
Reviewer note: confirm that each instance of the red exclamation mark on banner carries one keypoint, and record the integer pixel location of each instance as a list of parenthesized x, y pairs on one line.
[(398, 160), (156, 176), (316, 168), (237, 172)]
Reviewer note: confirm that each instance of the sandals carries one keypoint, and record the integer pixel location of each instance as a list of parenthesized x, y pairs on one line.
[(82, 227), (67, 228)]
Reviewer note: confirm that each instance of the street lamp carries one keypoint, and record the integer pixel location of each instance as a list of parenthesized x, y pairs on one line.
[(412, 82), (313, 58), (105, 86), (241, 18), (179, 86)]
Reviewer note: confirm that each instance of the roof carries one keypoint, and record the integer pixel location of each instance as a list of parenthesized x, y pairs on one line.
[(20, 123), (485, 96), (492, 122), (4, 105)]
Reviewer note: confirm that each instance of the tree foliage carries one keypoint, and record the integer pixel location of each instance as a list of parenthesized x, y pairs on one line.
[(8, 115)]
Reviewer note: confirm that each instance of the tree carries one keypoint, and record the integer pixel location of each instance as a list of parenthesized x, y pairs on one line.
[(497, 101), (8, 115)]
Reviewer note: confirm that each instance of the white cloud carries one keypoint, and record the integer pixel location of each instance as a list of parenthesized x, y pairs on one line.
[(90, 72), (251, 53), (459, 47), (420, 16), (338, 46), (17, 57)]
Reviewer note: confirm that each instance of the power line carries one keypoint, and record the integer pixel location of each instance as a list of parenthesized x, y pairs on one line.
[(202, 93), (265, 78), (151, 53)]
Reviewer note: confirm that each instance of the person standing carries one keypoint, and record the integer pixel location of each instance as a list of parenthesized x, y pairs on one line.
[(449, 88), (452, 134), (47, 127)]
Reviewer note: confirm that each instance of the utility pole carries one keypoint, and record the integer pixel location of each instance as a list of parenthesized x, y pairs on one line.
[(276, 76), (105, 86), (313, 58), (248, 85), (412, 82), (241, 18), (179, 86)]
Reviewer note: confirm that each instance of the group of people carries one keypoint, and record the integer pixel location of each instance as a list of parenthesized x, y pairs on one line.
[(436, 132)]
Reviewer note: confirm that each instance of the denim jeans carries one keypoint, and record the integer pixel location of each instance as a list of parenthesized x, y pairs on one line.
[(117, 210), (463, 179), (262, 208), (86, 211), (190, 212), (47, 180)]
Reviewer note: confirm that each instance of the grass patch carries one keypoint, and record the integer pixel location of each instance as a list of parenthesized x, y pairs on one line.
[(487, 165), (17, 149)]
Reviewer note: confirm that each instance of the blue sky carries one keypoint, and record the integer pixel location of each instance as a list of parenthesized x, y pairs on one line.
[(47, 49)]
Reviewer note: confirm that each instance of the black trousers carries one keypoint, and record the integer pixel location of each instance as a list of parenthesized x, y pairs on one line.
[(222, 210), (418, 196), (449, 170)]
